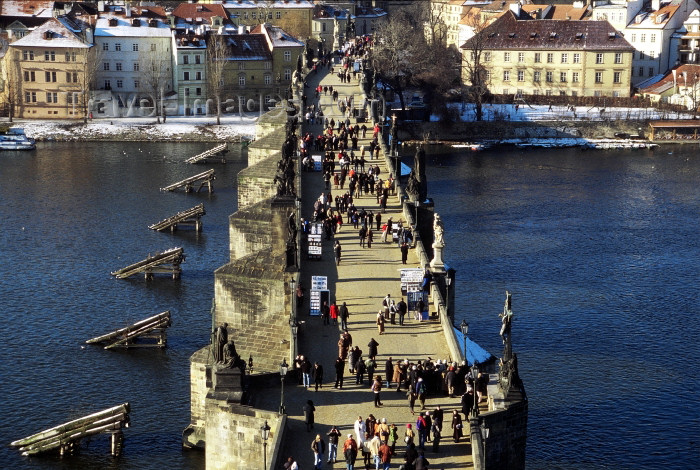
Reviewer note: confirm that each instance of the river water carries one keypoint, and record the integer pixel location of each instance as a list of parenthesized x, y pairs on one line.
[(600, 250)]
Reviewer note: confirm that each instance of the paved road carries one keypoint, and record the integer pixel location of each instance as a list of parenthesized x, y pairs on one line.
[(364, 277)]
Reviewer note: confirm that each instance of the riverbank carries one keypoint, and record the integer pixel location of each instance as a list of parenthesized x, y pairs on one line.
[(177, 128)]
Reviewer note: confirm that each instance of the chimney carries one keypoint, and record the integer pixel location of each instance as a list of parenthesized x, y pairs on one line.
[(241, 29), (101, 6), (127, 10), (675, 87), (655, 5), (515, 8)]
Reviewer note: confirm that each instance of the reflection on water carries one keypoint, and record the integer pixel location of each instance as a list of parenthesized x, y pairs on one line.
[(71, 214), (600, 250)]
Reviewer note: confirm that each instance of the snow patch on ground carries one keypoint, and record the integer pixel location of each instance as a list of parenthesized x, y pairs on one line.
[(232, 128)]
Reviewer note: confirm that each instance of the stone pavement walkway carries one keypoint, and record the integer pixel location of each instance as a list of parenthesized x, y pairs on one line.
[(363, 279)]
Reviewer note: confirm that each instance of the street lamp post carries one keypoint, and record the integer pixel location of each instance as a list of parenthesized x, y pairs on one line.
[(294, 326), (448, 281), (265, 431), (284, 367), (475, 376), (465, 329)]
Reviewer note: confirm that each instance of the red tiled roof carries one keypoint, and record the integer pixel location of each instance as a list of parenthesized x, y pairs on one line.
[(199, 10), (20, 8), (508, 33), (692, 76)]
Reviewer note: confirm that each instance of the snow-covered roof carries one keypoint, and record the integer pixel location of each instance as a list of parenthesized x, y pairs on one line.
[(27, 8), (124, 27), (278, 36), (52, 33)]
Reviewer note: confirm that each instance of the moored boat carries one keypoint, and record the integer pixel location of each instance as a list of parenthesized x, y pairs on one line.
[(16, 139)]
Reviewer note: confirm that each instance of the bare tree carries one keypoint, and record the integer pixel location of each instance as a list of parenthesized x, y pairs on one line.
[(264, 10), (155, 70), (90, 60), (11, 80), (435, 28), (217, 53), (475, 72)]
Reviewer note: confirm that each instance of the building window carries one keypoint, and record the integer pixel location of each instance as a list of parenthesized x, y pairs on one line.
[(574, 77), (506, 57), (616, 94), (521, 75), (50, 56), (618, 58), (245, 15), (51, 97), (187, 92), (186, 76), (69, 98), (521, 57), (562, 93), (574, 93), (633, 38), (564, 58), (549, 77), (279, 15), (653, 38), (641, 71), (198, 75), (268, 65), (651, 71), (105, 46), (617, 77), (548, 92), (287, 74), (268, 79), (506, 75), (642, 38), (185, 59), (599, 58), (487, 57), (119, 83), (577, 58), (30, 96), (597, 93), (72, 77), (197, 59), (599, 77), (253, 16), (50, 76), (71, 57), (241, 80), (562, 77), (108, 85), (505, 91), (153, 47), (538, 57), (136, 83), (287, 56), (118, 47), (135, 47), (536, 76), (29, 76), (118, 65), (198, 91), (136, 66), (241, 66), (550, 58), (488, 76), (105, 66), (28, 55)]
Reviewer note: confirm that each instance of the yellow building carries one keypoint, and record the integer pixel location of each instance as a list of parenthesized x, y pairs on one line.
[(50, 67), (293, 16), (551, 57)]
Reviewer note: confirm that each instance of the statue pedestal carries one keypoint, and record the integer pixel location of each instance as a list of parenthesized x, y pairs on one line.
[(437, 265), (227, 384)]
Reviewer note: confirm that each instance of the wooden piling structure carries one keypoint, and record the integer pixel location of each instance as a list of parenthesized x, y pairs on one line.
[(205, 156), (167, 262), (147, 333), (66, 437), (191, 216), (204, 179)]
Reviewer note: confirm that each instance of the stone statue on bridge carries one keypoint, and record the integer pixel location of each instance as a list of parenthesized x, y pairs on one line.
[(438, 231), (219, 338), (506, 319)]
